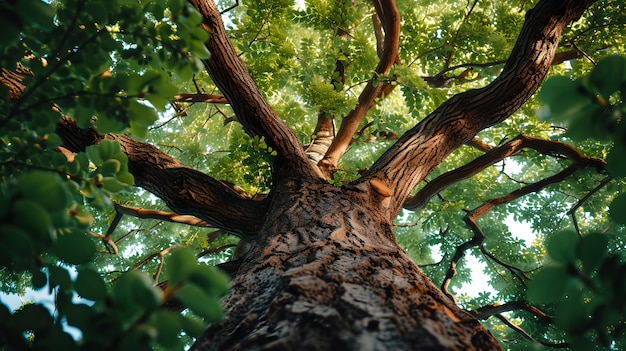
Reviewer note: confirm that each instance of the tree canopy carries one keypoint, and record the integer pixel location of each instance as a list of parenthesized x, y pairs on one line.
[(109, 108)]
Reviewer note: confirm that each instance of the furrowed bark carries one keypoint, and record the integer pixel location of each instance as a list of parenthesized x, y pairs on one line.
[(326, 274), (186, 191), (456, 121), (231, 76)]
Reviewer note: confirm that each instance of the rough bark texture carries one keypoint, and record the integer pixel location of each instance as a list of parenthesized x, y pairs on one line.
[(326, 274)]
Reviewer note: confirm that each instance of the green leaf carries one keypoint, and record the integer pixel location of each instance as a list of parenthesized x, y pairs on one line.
[(213, 281), (548, 284), (113, 185), (89, 284), (74, 248), (615, 160), (141, 290), (200, 303), (16, 246), (168, 325), (110, 167), (180, 265), (591, 250), (33, 317), (562, 95), (45, 188), (107, 149), (608, 75), (79, 315), (83, 218), (572, 312), (39, 279), (36, 12), (141, 117), (617, 209), (562, 246), (32, 217), (193, 326), (60, 277)]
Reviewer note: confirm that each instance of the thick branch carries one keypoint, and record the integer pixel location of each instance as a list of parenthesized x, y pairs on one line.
[(458, 120), (199, 97), (231, 76), (390, 18), (185, 190), (497, 154), (485, 312), (160, 215)]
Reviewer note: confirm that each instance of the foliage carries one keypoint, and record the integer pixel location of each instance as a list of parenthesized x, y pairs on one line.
[(97, 62), (116, 66), (586, 280)]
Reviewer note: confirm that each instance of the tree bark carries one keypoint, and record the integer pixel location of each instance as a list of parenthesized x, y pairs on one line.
[(325, 273)]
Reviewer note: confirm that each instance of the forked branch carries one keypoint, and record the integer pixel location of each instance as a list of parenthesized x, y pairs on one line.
[(472, 217), (458, 120), (497, 154), (185, 190), (387, 13), (231, 76)]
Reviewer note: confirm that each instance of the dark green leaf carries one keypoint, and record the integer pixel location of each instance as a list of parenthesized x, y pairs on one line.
[(60, 277), (609, 75), (89, 284), (74, 248), (591, 250), (562, 246), (168, 325), (548, 284)]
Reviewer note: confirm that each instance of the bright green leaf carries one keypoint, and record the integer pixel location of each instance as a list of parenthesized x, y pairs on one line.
[(200, 303), (180, 265)]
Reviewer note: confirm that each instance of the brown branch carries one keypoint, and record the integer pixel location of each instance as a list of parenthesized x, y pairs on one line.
[(497, 154), (199, 97), (160, 215), (257, 118), (527, 336), (471, 218), (515, 271), (185, 190), (487, 311), (580, 202), (387, 12)]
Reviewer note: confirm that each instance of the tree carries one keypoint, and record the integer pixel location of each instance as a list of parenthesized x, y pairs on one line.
[(427, 98)]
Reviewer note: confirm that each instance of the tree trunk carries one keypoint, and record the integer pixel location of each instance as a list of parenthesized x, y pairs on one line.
[(325, 273)]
